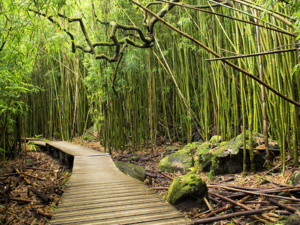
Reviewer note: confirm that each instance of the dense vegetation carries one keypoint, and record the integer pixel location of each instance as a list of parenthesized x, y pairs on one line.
[(68, 65)]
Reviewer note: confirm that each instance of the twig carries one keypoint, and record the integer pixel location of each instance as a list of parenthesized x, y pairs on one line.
[(225, 207), (238, 204), (207, 203), (167, 176), (289, 159)]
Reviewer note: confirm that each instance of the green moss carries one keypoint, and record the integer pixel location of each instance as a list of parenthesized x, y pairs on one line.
[(210, 175), (223, 143), (180, 161), (295, 178), (202, 149), (289, 220), (187, 187), (193, 145), (134, 171), (215, 139), (171, 149)]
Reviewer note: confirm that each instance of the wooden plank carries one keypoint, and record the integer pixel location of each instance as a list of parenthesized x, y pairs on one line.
[(39, 143), (74, 150), (116, 215), (138, 219), (108, 204), (112, 209)]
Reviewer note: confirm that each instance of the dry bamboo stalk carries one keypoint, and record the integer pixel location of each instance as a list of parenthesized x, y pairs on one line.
[(256, 192), (261, 73), (252, 55), (207, 203)]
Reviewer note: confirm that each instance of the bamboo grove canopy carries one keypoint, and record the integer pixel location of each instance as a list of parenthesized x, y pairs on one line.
[(142, 70)]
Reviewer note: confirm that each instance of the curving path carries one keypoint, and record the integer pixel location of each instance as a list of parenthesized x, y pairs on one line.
[(99, 193)]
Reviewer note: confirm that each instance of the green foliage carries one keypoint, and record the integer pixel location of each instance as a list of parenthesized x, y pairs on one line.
[(58, 93)]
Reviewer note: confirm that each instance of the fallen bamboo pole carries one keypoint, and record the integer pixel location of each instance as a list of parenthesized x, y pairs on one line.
[(252, 55), (231, 215), (289, 208), (256, 192)]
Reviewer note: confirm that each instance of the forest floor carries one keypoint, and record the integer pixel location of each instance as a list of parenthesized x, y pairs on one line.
[(30, 188), (270, 183), (37, 182)]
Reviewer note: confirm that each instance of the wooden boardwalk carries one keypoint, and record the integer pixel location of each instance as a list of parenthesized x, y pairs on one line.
[(99, 193)]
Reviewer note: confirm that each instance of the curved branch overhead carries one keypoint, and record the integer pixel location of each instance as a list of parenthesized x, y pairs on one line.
[(148, 40), (217, 55)]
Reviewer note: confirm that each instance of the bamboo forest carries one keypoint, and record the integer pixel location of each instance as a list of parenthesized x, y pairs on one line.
[(150, 112)]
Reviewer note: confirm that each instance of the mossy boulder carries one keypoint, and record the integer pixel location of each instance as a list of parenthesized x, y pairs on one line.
[(134, 171), (215, 139), (180, 161), (295, 178), (228, 157), (189, 186)]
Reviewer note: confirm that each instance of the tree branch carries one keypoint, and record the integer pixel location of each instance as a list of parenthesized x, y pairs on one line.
[(116, 70), (218, 56)]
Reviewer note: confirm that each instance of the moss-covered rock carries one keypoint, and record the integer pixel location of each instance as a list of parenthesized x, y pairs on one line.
[(215, 139), (295, 178), (187, 187), (134, 171), (228, 158), (180, 161)]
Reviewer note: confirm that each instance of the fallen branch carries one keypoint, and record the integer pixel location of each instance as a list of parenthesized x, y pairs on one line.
[(289, 159), (34, 168), (167, 176), (231, 215), (289, 208), (207, 204), (226, 180), (33, 176), (22, 200), (225, 207), (256, 193)]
